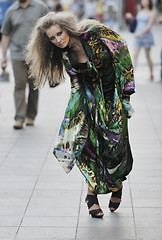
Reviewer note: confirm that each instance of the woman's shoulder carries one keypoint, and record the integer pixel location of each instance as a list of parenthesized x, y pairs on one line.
[(148, 13), (91, 30), (99, 30), (87, 24)]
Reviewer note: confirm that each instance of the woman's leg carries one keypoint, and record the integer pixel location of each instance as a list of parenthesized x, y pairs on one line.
[(115, 199), (136, 53), (93, 205), (147, 51)]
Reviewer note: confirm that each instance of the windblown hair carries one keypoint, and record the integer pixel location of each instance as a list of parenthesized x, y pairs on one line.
[(43, 57)]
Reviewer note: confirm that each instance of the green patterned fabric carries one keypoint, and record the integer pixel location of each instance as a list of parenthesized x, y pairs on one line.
[(94, 134)]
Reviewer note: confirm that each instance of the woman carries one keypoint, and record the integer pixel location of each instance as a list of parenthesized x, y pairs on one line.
[(143, 35), (93, 134)]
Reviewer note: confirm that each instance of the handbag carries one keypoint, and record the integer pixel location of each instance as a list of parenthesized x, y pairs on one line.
[(132, 25)]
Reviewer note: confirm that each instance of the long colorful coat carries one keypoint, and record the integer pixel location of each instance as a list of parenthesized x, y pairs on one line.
[(94, 134)]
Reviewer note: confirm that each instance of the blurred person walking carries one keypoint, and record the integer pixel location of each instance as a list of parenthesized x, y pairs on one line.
[(57, 6), (4, 5), (78, 8), (94, 133), (18, 23), (100, 10), (143, 37), (90, 9), (111, 13)]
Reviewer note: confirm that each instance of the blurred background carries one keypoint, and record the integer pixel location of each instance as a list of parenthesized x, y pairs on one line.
[(111, 12)]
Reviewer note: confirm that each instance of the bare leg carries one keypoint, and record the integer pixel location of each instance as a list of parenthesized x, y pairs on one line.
[(147, 51), (115, 199), (94, 206), (136, 53)]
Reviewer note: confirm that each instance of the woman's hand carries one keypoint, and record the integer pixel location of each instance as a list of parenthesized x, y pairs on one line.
[(138, 35)]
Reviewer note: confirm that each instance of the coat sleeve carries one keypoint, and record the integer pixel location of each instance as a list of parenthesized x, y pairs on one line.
[(122, 63)]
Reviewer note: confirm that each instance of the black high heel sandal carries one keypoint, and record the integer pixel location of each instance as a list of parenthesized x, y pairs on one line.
[(113, 205), (91, 200)]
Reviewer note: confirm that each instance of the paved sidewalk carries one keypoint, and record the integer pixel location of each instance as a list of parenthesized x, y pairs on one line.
[(39, 201)]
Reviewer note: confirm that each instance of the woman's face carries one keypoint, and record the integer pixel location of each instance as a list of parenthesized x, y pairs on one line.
[(145, 3), (58, 36)]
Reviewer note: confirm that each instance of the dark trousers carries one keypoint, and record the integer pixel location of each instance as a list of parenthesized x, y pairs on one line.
[(24, 109)]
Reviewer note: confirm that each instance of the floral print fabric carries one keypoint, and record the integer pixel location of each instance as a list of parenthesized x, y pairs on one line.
[(94, 134)]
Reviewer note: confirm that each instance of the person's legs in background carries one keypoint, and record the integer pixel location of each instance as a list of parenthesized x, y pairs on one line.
[(136, 54), (24, 109), (32, 104), (147, 51), (20, 75)]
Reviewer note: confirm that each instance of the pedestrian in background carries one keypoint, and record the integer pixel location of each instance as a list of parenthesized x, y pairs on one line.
[(78, 8), (90, 9), (111, 13), (100, 10), (94, 133), (4, 5), (18, 23), (57, 6), (143, 37)]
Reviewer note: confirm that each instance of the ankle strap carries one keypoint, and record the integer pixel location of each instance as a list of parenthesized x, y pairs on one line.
[(91, 200)]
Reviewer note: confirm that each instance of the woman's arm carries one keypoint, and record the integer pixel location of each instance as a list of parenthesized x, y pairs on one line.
[(149, 26)]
